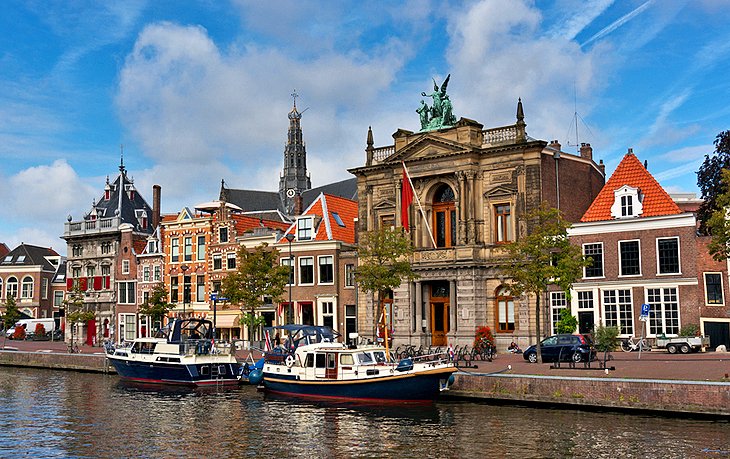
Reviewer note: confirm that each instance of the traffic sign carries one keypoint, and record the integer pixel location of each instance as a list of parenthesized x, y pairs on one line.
[(645, 309)]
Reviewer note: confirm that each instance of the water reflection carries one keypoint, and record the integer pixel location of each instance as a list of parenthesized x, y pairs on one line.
[(53, 414)]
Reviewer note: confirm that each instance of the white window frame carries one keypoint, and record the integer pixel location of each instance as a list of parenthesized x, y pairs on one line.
[(319, 268), (27, 285), (200, 248), (603, 264), (300, 262), (305, 228), (231, 256), (621, 196), (286, 261), (679, 256), (657, 324), (621, 315), (621, 262), (327, 307), (125, 266), (558, 302), (349, 275)]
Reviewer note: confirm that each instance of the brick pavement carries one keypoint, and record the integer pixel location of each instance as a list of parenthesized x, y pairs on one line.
[(707, 366)]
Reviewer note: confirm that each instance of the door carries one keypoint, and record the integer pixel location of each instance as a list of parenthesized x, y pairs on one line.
[(439, 323), (719, 333), (585, 322)]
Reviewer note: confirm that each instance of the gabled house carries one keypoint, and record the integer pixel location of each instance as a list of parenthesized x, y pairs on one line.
[(26, 273), (644, 250), (320, 249)]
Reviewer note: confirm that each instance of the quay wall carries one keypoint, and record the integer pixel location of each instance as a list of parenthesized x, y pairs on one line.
[(690, 397), (95, 363)]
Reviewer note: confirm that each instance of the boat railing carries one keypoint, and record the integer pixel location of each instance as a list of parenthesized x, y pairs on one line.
[(205, 347), (436, 358)]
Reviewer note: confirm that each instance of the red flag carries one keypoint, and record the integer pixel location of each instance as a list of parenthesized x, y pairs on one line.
[(406, 198)]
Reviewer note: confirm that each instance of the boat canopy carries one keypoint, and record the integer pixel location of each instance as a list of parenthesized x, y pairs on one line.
[(299, 335), (188, 329)]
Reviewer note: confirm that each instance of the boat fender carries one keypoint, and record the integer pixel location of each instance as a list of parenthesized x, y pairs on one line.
[(289, 361), (255, 377)]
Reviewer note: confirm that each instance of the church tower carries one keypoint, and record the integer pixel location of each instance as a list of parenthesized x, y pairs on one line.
[(294, 177)]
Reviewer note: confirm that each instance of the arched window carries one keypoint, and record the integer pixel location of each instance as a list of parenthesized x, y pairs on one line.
[(11, 287), (27, 287), (505, 311), (444, 217)]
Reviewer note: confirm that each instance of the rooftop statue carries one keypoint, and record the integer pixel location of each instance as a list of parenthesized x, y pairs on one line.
[(440, 114)]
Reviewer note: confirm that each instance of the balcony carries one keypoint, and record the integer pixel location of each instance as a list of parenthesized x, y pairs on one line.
[(91, 227)]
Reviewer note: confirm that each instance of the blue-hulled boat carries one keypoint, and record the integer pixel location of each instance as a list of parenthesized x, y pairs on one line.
[(312, 363), (183, 353)]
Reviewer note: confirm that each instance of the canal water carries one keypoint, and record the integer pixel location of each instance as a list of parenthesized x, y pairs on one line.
[(55, 414)]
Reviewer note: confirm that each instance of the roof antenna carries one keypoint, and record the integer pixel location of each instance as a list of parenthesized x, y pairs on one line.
[(574, 121), (121, 158)]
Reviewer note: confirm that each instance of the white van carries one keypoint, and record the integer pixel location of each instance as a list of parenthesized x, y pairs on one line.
[(30, 324)]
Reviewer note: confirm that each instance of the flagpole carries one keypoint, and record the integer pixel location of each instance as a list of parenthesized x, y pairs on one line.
[(418, 201)]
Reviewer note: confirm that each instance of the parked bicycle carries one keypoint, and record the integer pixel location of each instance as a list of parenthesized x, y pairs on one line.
[(73, 348), (635, 344)]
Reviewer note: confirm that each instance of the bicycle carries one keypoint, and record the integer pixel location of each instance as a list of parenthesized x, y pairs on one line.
[(73, 348), (635, 344)]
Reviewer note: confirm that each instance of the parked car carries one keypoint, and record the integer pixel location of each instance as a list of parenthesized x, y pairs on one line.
[(564, 347)]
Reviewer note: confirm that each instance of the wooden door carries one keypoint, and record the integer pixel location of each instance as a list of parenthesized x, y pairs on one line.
[(439, 322)]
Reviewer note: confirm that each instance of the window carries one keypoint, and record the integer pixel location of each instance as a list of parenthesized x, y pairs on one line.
[(44, 288), (77, 250), (146, 273), (304, 229), (663, 311), (151, 247), (90, 270), (713, 289), (444, 214), (594, 252), (503, 222), (128, 327), (231, 261), (349, 275), (288, 262), (75, 272), (328, 314), (106, 247), (200, 288), (387, 221), (157, 273), (505, 311), (217, 286), (668, 255), (326, 269), (174, 288), (558, 302), (627, 206), (106, 270), (175, 250), (186, 289), (306, 270), (27, 291), (188, 248), (585, 300), (201, 248), (627, 203), (57, 299), (617, 310), (338, 219), (11, 287), (217, 261), (223, 234), (126, 293), (630, 260), (125, 266)]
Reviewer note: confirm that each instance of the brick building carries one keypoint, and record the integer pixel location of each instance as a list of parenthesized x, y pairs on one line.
[(26, 274)]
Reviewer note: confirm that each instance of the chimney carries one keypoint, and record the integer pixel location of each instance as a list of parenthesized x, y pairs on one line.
[(156, 190), (298, 204), (556, 145), (586, 151)]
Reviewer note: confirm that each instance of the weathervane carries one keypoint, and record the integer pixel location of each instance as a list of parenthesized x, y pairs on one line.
[(440, 114)]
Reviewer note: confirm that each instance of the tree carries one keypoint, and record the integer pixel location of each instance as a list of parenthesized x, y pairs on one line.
[(76, 312), (258, 275), (718, 225), (567, 323), (12, 315), (543, 257), (710, 180), (156, 306), (384, 263)]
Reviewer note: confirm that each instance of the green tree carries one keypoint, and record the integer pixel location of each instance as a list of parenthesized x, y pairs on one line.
[(258, 275), (710, 180), (384, 263), (543, 257), (12, 315), (718, 225), (567, 323), (156, 306), (76, 311)]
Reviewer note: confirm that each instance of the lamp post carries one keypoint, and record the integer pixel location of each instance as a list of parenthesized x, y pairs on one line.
[(290, 237), (186, 298)]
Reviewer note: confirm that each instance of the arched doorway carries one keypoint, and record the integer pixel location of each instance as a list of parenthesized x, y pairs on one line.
[(444, 216), (439, 305)]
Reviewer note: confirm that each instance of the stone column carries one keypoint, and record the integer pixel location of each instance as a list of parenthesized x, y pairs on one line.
[(369, 209), (452, 308), (419, 309), (471, 206), (461, 178)]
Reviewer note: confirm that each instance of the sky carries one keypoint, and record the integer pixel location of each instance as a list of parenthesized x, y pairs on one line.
[(198, 92)]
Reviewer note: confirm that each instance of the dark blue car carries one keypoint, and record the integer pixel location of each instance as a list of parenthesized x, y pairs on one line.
[(564, 348)]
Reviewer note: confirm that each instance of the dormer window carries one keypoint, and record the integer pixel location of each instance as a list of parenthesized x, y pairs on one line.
[(107, 194), (627, 203), (304, 229)]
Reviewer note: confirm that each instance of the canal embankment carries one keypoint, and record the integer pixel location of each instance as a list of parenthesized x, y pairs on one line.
[(90, 362)]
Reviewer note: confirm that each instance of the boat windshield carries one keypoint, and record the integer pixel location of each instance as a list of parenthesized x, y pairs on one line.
[(364, 358)]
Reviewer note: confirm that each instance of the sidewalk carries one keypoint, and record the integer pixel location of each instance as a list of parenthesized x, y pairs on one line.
[(704, 366)]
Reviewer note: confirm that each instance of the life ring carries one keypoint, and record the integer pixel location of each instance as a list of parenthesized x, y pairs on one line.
[(289, 361)]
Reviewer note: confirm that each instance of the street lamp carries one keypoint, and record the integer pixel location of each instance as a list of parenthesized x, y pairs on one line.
[(290, 237), (186, 292)]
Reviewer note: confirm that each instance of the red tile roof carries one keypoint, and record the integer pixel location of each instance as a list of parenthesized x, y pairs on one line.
[(325, 206), (631, 172), (244, 223)]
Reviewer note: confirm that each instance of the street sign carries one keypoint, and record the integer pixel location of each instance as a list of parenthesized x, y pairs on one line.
[(215, 297), (644, 312)]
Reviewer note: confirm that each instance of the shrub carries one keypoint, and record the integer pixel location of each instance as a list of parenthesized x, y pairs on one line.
[(605, 338), (19, 333), (567, 322), (689, 330), (483, 336), (40, 330)]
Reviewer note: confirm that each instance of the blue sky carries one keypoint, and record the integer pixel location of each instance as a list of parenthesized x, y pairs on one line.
[(199, 91)]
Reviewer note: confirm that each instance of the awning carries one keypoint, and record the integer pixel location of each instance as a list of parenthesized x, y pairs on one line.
[(226, 321)]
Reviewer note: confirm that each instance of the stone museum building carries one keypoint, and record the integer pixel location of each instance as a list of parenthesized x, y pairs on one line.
[(470, 186)]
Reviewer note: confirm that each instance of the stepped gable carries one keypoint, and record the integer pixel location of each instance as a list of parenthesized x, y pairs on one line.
[(30, 255), (327, 227), (656, 201)]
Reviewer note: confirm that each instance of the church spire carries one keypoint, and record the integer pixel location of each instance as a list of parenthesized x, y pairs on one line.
[(294, 178)]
